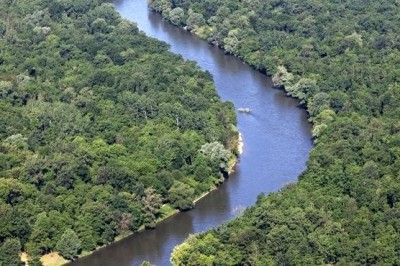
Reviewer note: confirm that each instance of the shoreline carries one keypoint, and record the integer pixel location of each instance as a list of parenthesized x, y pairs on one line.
[(240, 144), (121, 237)]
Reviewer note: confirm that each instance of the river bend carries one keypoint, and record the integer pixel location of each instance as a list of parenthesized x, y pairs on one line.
[(276, 138)]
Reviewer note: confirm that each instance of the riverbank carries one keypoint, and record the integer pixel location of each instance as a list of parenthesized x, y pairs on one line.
[(54, 259), (232, 165), (240, 144), (275, 132)]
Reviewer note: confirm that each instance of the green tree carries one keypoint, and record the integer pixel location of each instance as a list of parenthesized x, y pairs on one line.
[(9, 252), (93, 113), (194, 20), (152, 203), (181, 196), (217, 153), (40, 241), (176, 16), (34, 260), (69, 244), (344, 70)]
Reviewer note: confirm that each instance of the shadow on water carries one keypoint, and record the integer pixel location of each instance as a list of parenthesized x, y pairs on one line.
[(276, 138)]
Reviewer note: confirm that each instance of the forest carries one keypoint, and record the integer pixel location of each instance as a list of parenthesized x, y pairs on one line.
[(341, 59), (103, 131)]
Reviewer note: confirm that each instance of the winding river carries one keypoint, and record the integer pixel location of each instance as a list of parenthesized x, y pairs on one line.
[(276, 139)]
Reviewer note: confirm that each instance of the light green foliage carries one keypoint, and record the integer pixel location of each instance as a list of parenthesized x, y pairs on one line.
[(232, 41), (301, 89), (205, 254), (194, 20), (176, 16), (69, 244), (282, 78), (318, 130), (97, 124), (218, 155)]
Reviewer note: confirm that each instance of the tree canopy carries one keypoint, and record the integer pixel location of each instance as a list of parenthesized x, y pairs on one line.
[(100, 126), (341, 59)]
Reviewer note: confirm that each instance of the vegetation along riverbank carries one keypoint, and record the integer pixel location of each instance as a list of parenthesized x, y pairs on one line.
[(341, 59), (103, 130), (166, 210)]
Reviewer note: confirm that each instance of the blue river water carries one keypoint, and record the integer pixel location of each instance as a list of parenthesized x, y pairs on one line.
[(276, 136)]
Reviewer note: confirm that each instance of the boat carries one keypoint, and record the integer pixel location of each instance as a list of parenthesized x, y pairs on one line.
[(244, 110)]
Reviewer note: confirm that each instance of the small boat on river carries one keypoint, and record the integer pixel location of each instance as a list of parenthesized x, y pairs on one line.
[(244, 110)]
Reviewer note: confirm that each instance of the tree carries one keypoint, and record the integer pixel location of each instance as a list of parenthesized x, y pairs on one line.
[(302, 89), (9, 252), (194, 20), (176, 15), (347, 79), (217, 153), (282, 77), (124, 223), (152, 203), (40, 241), (34, 260), (231, 42), (181, 196), (69, 245), (92, 109)]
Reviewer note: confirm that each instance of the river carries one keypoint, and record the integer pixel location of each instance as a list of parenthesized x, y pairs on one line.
[(276, 138)]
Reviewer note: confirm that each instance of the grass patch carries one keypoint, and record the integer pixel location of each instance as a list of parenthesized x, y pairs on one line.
[(166, 211), (53, 259)]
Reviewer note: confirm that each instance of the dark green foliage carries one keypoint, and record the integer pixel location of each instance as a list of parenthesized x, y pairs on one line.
[(97, 122), (341, 59), (181, 196), (34, 261), (9, 252)]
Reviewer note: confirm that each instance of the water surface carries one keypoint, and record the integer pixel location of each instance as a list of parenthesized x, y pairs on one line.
[(276, 144)]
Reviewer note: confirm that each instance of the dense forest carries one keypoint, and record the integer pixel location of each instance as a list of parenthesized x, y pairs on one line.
[(102, 130), (341, 59)]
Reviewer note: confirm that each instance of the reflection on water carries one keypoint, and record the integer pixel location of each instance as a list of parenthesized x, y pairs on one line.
[(276, 139)]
